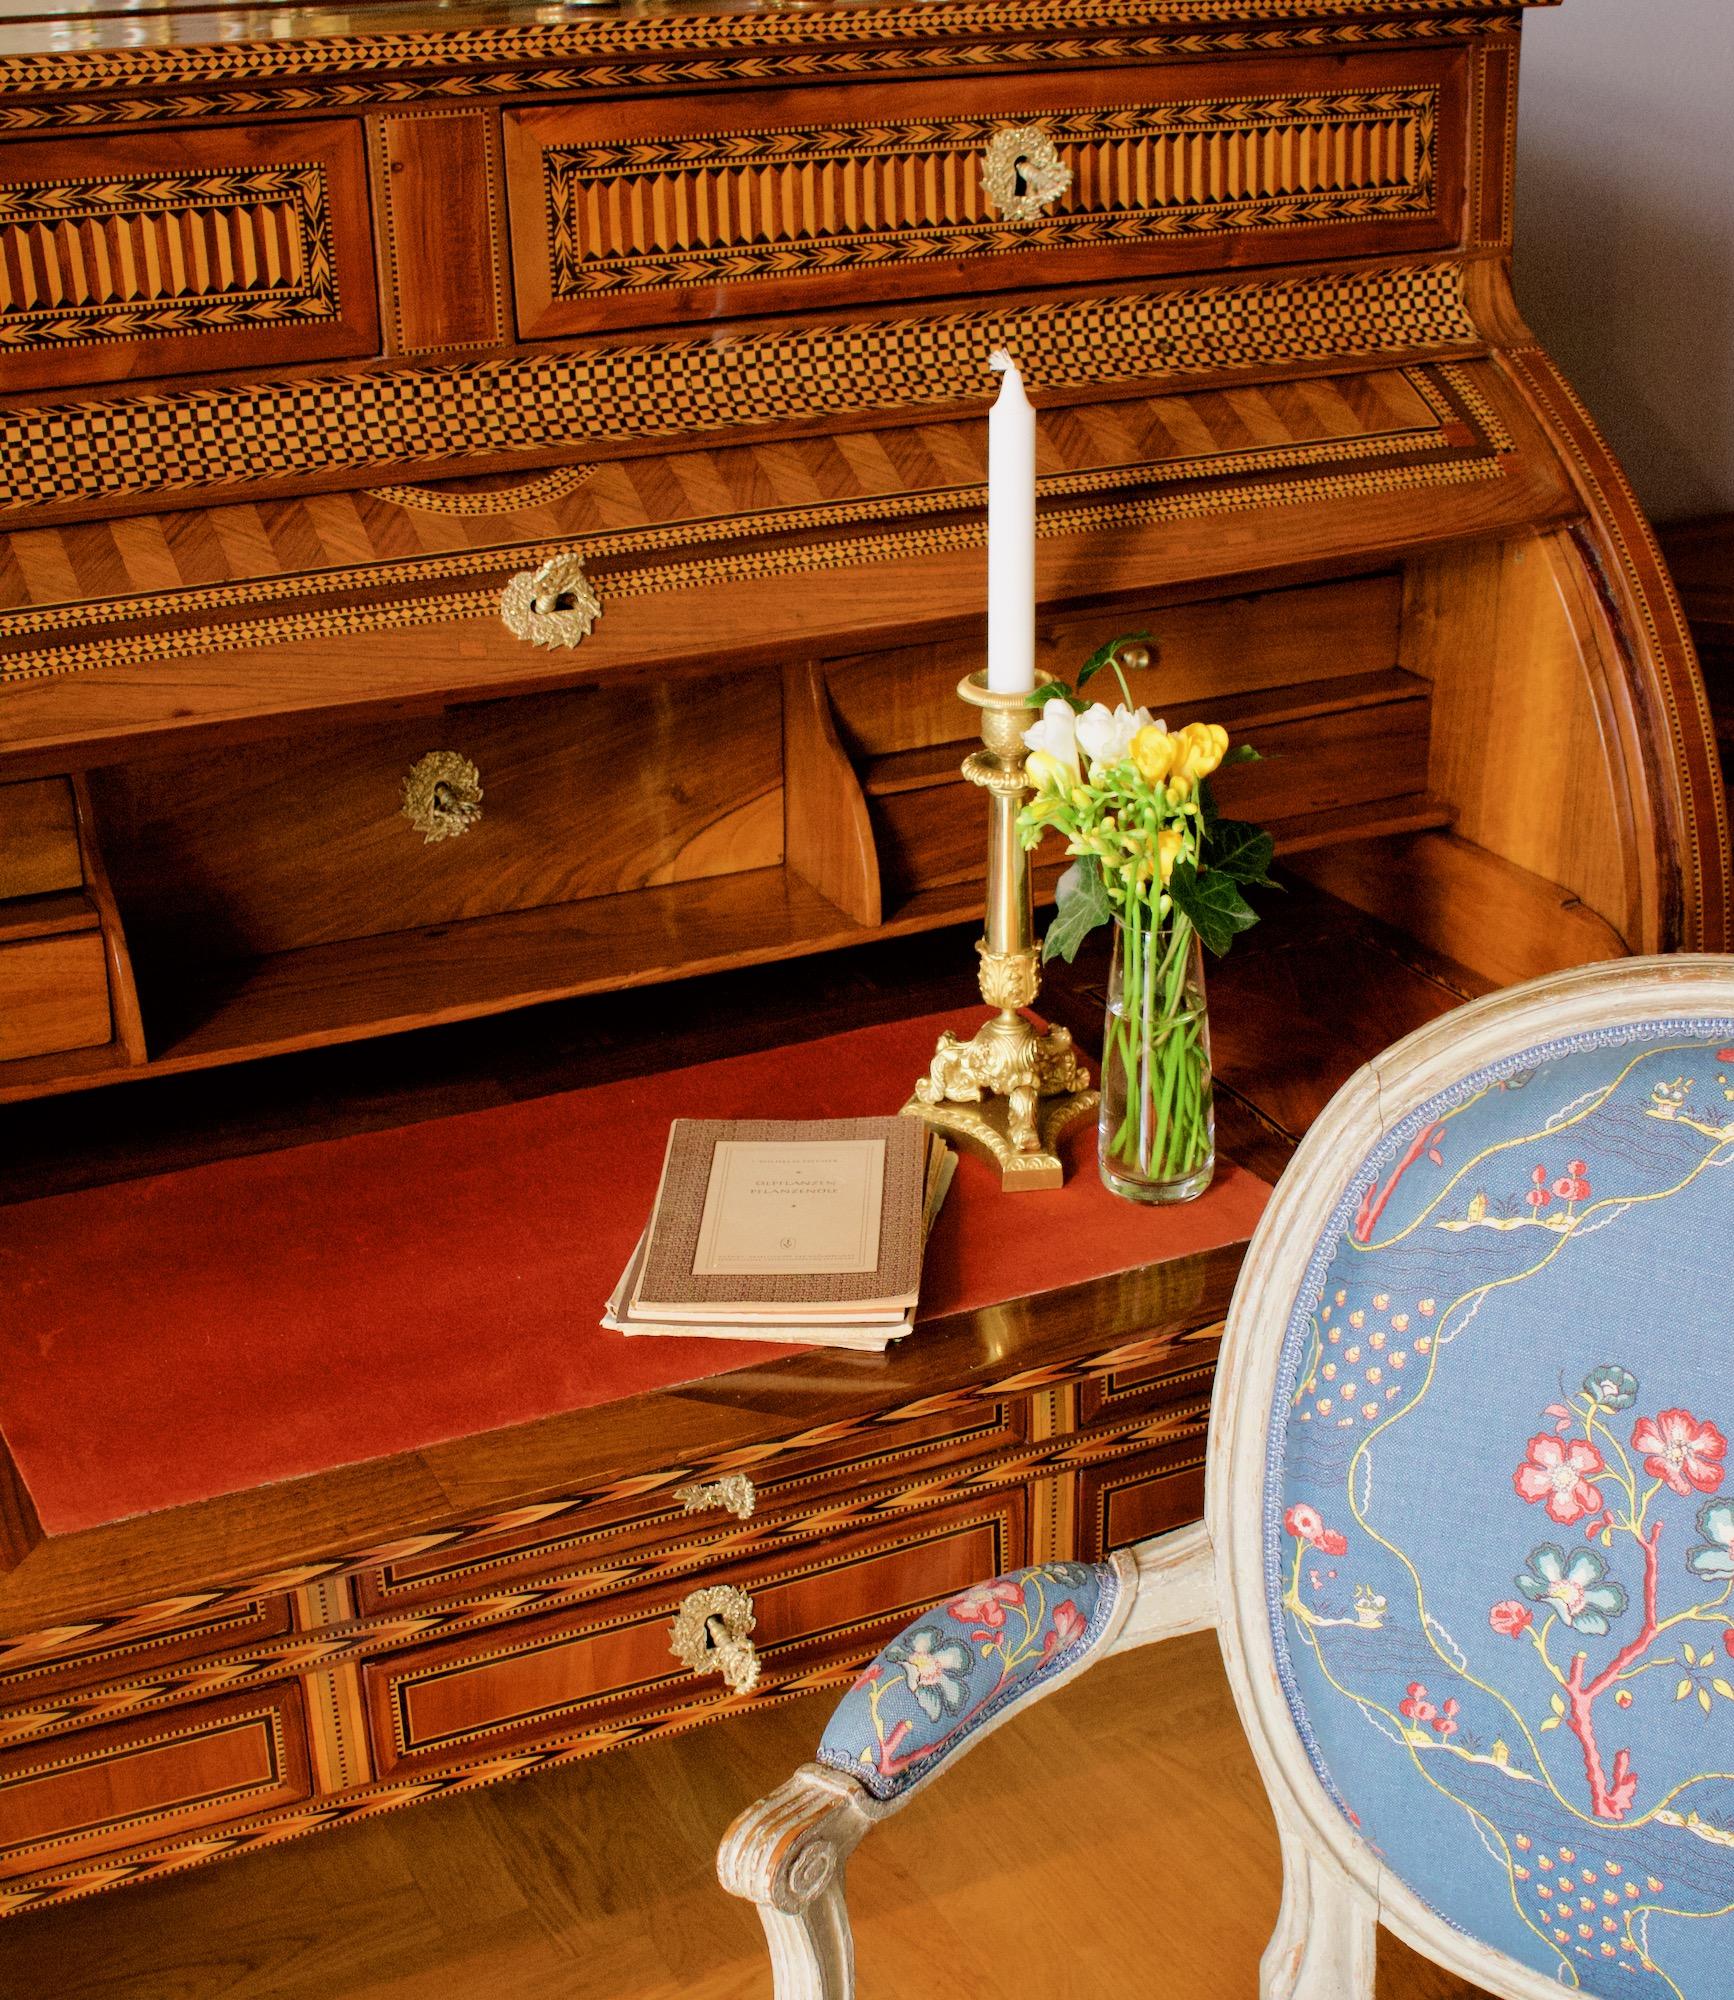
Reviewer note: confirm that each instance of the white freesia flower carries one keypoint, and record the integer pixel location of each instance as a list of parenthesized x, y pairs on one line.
[(1105, 736), (1056, 735)]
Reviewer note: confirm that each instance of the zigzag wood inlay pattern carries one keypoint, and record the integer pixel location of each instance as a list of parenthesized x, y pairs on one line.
[(114, 259), (745, 204)]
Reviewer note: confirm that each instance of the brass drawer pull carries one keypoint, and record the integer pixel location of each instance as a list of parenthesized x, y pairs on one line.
[(734, 1490), (551, 606), (711, 1634), (442, 796), (1023, 173)]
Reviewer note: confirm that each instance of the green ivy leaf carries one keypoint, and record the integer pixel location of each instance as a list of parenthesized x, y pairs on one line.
[(1105, 656), (1242, 753), (1083, 907), (1212, 904), (1240, 851), (1055, 691)]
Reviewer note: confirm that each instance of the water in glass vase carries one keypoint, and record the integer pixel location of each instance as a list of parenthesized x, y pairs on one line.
[(1158, 1131)]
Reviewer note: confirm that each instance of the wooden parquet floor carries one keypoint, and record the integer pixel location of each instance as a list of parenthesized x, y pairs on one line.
[(1112, 1843)]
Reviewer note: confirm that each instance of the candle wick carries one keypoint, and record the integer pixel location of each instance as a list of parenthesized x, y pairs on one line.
[(1001, 363)]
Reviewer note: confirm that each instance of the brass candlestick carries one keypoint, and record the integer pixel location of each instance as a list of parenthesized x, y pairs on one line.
[(1013, 1092)]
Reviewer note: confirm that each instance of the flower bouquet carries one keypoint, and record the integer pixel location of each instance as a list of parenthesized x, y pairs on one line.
[(1151, 855)]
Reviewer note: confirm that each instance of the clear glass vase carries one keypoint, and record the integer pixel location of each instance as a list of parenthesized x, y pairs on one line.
[(1158, 1130)]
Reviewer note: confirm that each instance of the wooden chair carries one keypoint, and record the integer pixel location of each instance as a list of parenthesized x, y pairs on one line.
[(1468, 1543)]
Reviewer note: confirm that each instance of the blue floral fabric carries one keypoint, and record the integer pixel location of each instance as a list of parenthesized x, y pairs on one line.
[(961, 1664), (1499, 1516)]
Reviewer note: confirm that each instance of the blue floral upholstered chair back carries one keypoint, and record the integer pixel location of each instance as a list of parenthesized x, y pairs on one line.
[(1469, 1537), (1497, 1562)]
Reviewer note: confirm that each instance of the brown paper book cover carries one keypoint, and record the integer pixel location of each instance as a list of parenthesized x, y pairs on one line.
[(786, 1220), (872, 1337)]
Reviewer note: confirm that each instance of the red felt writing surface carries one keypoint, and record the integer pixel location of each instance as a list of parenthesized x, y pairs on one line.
[(194, 1333)]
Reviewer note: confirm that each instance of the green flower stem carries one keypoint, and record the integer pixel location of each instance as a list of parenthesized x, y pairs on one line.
[(1155, 1041)]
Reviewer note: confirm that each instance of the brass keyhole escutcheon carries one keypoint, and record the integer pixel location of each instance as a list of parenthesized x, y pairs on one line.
[(712, 1634), (551, 606), (1022, 173), (442, 796)]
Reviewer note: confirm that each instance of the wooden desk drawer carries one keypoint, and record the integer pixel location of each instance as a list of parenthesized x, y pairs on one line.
[(102, 1790), (154, 253), (634, 213), (38, 840), (800, 1493), (1178, 1384), (54, 995), (565, 1677), (1131, 1499)]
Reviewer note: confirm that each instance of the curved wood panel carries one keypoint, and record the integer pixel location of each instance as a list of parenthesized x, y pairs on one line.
[(1675, 736)]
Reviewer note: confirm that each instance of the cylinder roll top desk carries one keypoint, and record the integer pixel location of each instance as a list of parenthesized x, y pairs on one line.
[(576, 414)]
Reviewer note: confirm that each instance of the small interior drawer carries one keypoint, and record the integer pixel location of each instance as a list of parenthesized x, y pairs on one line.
[(38, 839), (646, 211), (53, 993)]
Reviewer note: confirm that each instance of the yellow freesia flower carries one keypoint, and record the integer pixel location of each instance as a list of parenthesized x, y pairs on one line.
[(1155, 753), (1206, 746), (1170, 843), (1048, 774)]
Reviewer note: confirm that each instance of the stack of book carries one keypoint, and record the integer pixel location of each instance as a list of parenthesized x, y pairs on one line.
[(808, 1232)]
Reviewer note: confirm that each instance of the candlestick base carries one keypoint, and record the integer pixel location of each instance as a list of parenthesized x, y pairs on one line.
[(1010, 1095)]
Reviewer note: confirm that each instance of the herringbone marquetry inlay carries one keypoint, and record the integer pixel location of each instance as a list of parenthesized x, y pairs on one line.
[(736, 205), (122, 257)]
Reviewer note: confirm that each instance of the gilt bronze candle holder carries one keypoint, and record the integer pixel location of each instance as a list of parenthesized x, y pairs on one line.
[(1013, 1091)]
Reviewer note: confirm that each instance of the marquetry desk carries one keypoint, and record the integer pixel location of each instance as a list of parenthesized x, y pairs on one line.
[(593, 406)]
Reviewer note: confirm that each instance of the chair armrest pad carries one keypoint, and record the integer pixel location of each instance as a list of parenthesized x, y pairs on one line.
[(966, 1663)]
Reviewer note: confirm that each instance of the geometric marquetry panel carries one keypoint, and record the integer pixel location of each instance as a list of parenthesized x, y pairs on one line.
[(114, 258), (281, 428), (125, 256), (813, 199)]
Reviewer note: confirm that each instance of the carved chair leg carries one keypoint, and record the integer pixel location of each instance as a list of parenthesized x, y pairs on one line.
[(787, 1855), (1325, 1943)]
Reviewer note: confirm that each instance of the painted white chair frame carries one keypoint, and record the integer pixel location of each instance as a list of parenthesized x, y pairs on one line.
[(788, 1852)]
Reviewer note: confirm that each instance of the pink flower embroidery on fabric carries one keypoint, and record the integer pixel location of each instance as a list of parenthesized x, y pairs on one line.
[(986, 1604), (1066, 1630), (1573, 1184), (1560, 1473), (1684, 1453), (1511, 1617), (1445, 1724), (1416, 1706), (1307, 1525)]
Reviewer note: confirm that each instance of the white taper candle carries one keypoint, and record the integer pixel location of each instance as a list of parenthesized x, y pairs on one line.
[(1011, 534)]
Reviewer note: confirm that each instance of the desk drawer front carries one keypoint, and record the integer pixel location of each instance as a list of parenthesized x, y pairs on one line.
[(630, 215), (130, 255), (557, 1679), (800, 1492), (101, 1791)]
